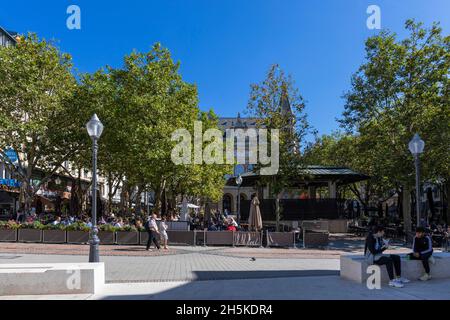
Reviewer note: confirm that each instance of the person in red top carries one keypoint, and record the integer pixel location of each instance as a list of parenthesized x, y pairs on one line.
[(232, 225)]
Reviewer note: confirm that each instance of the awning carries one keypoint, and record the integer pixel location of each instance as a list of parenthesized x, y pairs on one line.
[(309, 176), (46, 201), (190, 205)]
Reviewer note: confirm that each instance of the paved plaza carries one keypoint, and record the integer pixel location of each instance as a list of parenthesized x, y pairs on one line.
[(190, 264), (222, 273)]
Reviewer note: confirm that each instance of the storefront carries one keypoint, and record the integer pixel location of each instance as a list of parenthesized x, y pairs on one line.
[(9, 197)]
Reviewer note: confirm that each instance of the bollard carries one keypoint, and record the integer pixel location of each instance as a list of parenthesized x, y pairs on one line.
[(261, 239), (195, 238)]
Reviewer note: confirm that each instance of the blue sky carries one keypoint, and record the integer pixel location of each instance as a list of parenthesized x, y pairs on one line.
[(226, 45)]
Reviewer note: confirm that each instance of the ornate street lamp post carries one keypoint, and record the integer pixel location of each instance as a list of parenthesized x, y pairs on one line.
[(416, 147), (239, 182), (94, 128)]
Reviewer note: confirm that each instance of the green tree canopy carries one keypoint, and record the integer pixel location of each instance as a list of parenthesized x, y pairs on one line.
[(35, 82)]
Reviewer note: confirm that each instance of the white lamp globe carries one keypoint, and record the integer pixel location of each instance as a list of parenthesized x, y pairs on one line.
[(416, 145), (94, 127)]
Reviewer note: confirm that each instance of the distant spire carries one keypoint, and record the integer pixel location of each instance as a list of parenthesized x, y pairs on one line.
[(239, 123), (285, 105)]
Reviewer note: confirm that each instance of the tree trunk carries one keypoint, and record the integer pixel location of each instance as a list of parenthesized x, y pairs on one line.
[(110, 192), (130, 190), (406, 205), (124, 196), (444, 201), (139, 199), (277, 212)]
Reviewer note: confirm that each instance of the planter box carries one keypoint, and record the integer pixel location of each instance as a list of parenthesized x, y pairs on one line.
[(223, 238), (182, 237), (338, 226), (8, 235), (316, 225), (29, 235), (54, 236), (280, 239), (127, 237), (106, 237), (143, 237), (315, 239), (77, 237)]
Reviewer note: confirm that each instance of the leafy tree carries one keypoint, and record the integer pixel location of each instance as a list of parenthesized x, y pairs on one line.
[(401, 89), (141, 104), (277, 104), (35, 121), (340, 149)]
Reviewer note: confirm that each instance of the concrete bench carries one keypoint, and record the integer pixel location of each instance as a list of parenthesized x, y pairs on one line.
[(51, 278), (354, 267), (315, 233)]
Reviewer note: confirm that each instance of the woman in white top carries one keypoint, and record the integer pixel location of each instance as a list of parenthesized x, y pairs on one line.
[(163, 232)]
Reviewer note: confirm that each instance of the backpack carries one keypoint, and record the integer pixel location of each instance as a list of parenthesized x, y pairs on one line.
[(147, 226)]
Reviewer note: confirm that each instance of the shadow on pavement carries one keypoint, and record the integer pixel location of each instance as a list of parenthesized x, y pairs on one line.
[(200, 288)]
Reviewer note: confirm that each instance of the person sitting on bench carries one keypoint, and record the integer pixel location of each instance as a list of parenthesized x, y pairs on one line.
[(374, 248), (423, 250)]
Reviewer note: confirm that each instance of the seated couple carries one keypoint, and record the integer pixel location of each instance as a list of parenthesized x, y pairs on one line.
[(422, 250)]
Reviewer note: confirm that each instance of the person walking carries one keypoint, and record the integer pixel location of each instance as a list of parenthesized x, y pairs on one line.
[(163, 234), (152, 229)]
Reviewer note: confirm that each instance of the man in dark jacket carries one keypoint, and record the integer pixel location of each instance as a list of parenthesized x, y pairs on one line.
[(423, 250), (374, 248)]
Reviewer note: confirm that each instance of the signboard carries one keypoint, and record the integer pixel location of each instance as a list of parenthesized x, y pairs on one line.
[(12, 155), (10, 183)]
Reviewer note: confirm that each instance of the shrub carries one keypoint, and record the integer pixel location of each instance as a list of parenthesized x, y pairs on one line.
[(32, 225), (9, 225), (107, 228), (55, 227), (77, 226), (128, 228)]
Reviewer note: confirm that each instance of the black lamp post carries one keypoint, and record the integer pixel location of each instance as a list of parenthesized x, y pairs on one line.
[(239, 182), (95, 129), (416, 146)]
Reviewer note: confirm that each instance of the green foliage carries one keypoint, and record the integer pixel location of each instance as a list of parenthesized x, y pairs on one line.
[(401, 89), (9, 225), (35, 121), (51, 226), (128, 229), (266, 104), (34, 225), (77, 226), (141, 105), (107, 228)]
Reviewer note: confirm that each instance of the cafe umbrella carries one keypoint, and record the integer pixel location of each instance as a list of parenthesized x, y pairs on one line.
[(254, 219)]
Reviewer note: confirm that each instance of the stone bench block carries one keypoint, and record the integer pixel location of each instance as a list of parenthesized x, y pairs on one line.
[(354, 267), (51, 278)]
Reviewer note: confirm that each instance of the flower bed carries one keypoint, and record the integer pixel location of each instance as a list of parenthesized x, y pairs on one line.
[(8, 231)]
